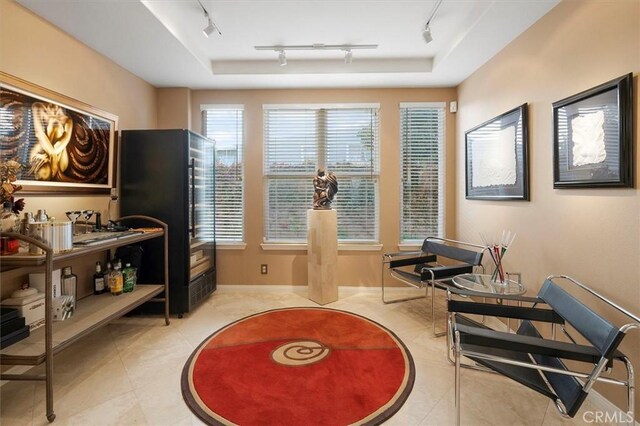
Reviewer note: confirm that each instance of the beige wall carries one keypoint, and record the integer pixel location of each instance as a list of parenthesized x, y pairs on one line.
[(591, 234), (290, 267), (36, 51), (174, 108)]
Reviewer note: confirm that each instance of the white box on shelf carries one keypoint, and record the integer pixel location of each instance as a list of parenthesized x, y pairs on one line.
[(30, 307), (36, 280)]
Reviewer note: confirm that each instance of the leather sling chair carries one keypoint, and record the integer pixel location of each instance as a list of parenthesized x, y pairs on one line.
[(537, 362), (428, 271)]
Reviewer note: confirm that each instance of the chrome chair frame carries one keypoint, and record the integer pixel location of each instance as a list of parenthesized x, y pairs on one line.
[(427, 277), (585, 380)]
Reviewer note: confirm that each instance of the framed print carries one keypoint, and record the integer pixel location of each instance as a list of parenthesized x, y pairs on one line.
[(496, 158), (64, 145), (592, 137)]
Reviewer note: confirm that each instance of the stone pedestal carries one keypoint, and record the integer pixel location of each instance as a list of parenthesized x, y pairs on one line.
[(322, 255)]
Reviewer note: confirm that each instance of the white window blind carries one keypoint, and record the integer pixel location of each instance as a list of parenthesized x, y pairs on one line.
[(225, 124), (422, 162), (299, 140)]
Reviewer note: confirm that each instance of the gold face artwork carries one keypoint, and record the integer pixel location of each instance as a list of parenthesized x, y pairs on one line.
[(53, 129), (60, 146)]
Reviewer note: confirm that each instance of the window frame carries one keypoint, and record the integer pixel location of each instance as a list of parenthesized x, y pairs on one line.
[(321, 158), (408, 243), (240, 243)]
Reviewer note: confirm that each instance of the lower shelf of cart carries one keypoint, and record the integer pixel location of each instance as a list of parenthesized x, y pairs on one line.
[(91, 313)]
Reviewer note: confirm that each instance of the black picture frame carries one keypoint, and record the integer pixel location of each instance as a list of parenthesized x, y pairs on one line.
[(78, 158), (593, 137), (497, 166)]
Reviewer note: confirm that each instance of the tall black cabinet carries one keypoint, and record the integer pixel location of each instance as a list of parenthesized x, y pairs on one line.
[(170, 175)]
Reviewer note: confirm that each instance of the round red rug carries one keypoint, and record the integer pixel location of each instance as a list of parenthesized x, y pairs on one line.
[(299, 366)]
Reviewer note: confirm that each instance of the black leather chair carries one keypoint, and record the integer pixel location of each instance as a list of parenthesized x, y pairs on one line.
[(537, 362), (438, 261)]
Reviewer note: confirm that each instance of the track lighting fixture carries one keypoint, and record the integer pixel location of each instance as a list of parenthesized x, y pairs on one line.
[(211, 26), (346, 48), (426, 33), (282, 58)]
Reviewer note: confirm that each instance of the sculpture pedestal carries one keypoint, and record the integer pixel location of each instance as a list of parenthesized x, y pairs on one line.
[(322, 255)]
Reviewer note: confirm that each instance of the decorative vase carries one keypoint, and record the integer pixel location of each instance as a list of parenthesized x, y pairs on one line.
[(9, 222)]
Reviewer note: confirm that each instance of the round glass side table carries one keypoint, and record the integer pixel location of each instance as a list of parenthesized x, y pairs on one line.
[(484, 284)]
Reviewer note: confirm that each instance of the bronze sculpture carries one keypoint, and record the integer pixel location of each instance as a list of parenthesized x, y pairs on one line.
[(325, 186)]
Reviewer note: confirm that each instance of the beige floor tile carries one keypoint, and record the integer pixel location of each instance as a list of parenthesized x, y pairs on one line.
[(122, 410), (16, 403), (161, 400), (490, 399), (586, 414), (87, 390)]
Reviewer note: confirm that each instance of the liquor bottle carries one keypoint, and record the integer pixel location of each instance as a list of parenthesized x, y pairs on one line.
[(69, 282), (98, 280), (115, 280)]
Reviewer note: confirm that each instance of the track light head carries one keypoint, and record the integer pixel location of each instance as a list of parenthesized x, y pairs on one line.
[(426, 34), (209, 29), (282, 58), (348, 56)]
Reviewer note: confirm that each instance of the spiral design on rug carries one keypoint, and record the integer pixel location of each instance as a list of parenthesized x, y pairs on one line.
[(299, 366)]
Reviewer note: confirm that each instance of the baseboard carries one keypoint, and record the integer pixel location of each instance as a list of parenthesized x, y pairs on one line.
[(270, 288)]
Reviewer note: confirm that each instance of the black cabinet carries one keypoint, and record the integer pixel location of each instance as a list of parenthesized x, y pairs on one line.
[(170, 174)]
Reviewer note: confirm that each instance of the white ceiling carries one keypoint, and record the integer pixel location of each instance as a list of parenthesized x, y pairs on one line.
[(162, 42)]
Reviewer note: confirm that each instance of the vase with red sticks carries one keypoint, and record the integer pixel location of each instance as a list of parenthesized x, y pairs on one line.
[(497, 248)]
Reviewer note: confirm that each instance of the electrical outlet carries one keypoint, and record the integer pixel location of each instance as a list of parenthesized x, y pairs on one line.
[(114, 193), (263, 269)]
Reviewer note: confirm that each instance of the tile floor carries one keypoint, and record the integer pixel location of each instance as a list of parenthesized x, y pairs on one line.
[(128, 373)]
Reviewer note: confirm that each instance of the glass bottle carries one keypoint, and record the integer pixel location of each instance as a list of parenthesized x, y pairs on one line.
[(98, 280), (107, 275), (69, 282), (129, 278), (42, 216), (115, 280)]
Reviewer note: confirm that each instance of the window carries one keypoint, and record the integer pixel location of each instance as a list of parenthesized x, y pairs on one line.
[(422, 160), (225, 124), (298, 140)]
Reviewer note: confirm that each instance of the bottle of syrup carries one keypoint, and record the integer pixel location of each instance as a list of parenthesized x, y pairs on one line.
[(115, 280), (99, 280)]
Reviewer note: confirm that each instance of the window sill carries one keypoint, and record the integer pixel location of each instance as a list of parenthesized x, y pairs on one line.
[(303, 247), (231, 246), (284, 246), (359, 247), (409, 246)]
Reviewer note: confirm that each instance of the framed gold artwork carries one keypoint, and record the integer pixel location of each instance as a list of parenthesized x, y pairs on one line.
[(64, 145)]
